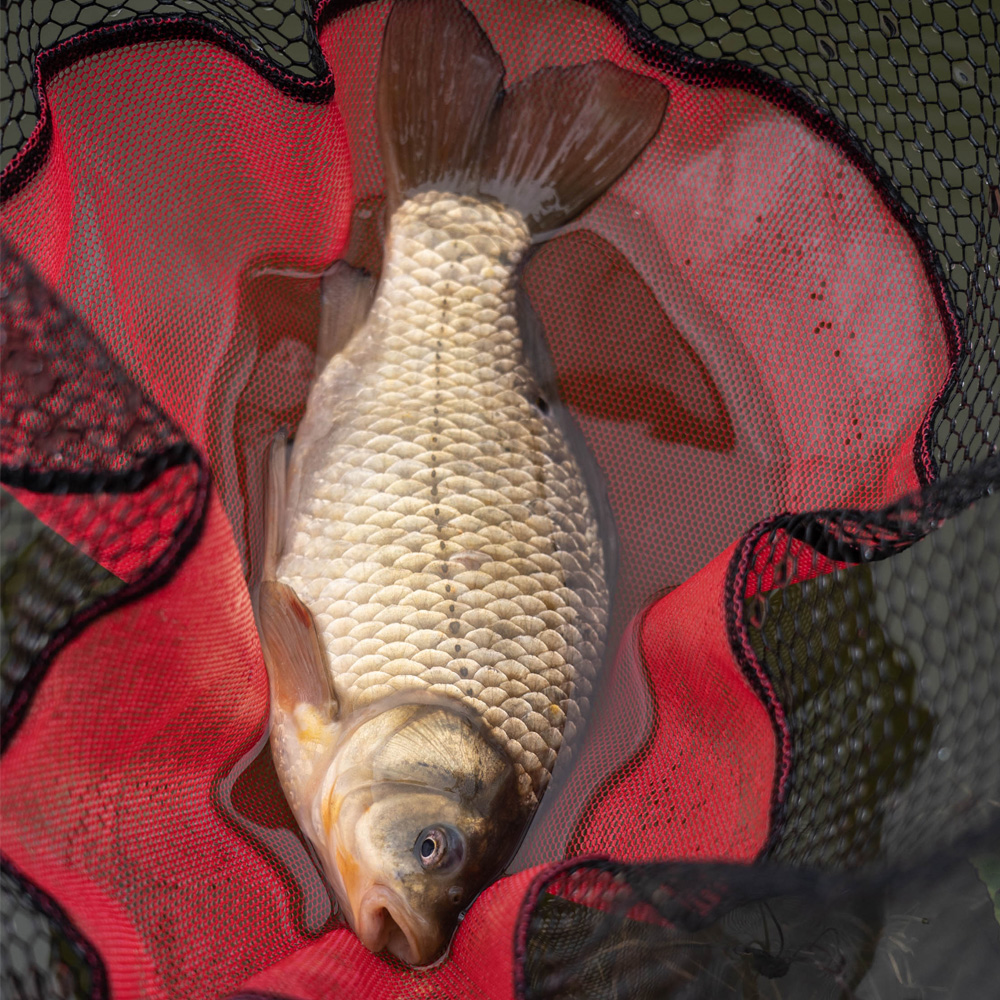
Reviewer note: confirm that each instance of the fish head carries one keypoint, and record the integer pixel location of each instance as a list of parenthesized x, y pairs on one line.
[(420, 810)]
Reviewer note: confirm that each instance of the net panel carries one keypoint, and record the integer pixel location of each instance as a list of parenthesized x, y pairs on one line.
[(282, 32), (120, 491), (601, 929), (916, 84), (74, 426), (46, 583), (885, 671), (694, 267)]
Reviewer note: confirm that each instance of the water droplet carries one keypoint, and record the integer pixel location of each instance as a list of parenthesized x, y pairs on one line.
[(962, 73)]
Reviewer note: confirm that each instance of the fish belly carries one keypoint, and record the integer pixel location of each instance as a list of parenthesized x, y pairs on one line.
[(440, 531)]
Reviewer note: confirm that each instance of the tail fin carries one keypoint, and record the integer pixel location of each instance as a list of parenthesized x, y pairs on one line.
[(548, 147)]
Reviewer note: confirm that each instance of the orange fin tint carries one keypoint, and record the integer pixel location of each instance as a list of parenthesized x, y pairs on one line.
[(292, 653)]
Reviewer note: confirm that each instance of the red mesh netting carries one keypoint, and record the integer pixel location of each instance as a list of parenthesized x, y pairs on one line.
[(746, 325)]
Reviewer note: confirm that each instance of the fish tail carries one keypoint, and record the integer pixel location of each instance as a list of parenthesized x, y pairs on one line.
[(548, 146)]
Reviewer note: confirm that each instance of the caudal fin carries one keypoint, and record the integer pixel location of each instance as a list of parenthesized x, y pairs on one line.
[(548, 146)]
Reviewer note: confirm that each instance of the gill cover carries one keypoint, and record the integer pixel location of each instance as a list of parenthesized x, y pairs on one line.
[(421, 811)]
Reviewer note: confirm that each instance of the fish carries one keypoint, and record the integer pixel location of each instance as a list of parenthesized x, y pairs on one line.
[(435, 588)]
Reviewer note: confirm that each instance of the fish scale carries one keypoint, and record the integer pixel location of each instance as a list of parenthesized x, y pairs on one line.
[(441, 534)]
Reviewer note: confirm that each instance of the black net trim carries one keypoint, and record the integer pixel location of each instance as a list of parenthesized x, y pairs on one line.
[(75, 425), (53, 588), (855, 536), (44, 583), (690, 67), (43, 955), (915, 86), (934, 156), (245, 29)]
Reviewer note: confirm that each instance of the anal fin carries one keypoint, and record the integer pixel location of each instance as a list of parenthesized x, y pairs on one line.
[(347, 294)]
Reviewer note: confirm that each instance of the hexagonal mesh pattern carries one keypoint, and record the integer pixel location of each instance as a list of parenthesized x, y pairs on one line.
[(281, 32), (44, 582), (97, 460), (918, 89), (876, 635), (601, 930), (753, 371), (918, 86)]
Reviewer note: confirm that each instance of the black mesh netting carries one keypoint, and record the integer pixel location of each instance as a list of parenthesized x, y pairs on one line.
[(604, 930), (862, 769), (72, 421), (110, 469), (46, 583), (43, 956), (884, 671)]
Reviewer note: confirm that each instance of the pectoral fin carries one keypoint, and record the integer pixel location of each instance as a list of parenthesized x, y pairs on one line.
[(292, 652), (275, 476)]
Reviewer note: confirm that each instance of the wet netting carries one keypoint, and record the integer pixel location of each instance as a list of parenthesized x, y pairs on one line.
[(778, 334)]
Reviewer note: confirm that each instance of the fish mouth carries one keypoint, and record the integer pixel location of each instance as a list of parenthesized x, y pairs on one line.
[(385, 921)]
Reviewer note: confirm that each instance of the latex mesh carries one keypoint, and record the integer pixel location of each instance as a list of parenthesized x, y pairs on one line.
[(755, 320)]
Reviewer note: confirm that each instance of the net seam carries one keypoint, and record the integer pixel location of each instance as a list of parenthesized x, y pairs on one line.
[(544, 878), (963, 490), (704, 72), (620, 773), (759, 680), (134, 480), (696, 70)]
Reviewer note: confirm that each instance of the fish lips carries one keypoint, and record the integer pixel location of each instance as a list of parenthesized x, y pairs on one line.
[(384, 921)]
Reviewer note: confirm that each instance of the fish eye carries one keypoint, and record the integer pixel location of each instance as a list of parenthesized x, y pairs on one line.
[(439, 847)]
